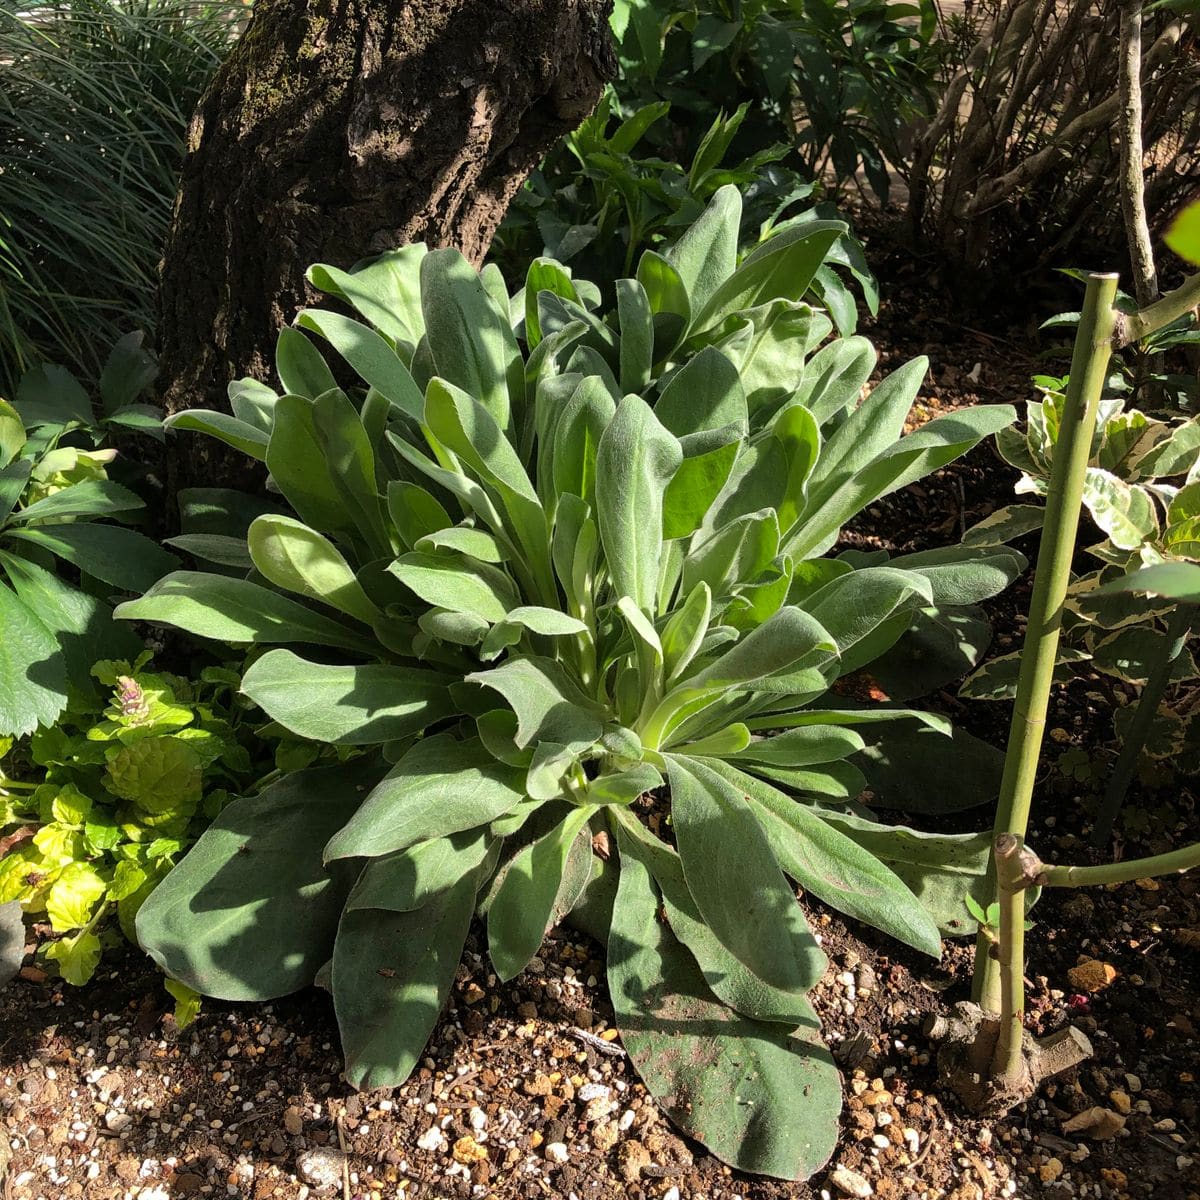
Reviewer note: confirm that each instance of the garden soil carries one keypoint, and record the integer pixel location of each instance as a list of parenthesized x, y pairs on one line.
[(525, 1091)]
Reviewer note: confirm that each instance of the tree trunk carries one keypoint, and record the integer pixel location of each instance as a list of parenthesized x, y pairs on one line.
[(339, 129)]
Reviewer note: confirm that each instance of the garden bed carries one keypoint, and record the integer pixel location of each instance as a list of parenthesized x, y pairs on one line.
[(524, 1090)]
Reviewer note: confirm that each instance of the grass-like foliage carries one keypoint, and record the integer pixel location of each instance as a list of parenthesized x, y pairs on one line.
[(93, 113), (552, 566)]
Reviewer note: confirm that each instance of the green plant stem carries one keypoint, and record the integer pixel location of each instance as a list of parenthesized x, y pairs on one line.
[(1143, 718), (1089, 366), (1010, 958), (1159, 314), (1172, 863)]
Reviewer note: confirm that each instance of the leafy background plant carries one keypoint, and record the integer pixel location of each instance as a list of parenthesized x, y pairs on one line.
[(1140, 491), (59, 515), (840, 82), (99, 806), (548, 558), (97, 96), (598, 202)]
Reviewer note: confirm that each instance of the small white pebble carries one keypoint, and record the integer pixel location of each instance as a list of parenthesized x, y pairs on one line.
[(432, 1139), (557, 1152)]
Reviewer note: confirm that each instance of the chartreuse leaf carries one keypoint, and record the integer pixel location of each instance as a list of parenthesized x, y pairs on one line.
[(523, 909), (236, 610), (77, 955), (442, 786), (732, 1082), (832, 866), (158, 774), (250, 913), (1183, 234), (347, 706), (298, 559), (634, 463), (73, 896), (187, 1002), (12, 433), (736, 882), (392, 972)]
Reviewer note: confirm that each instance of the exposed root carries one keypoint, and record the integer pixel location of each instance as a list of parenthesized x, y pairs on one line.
[(968, 1042)]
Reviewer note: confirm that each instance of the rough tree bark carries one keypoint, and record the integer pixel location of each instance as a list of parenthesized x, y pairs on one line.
[(341, 128)]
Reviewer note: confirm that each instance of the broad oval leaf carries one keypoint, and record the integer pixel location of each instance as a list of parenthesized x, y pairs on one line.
[(442, 786), (348, 705), (298, 559), (250, 912)]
